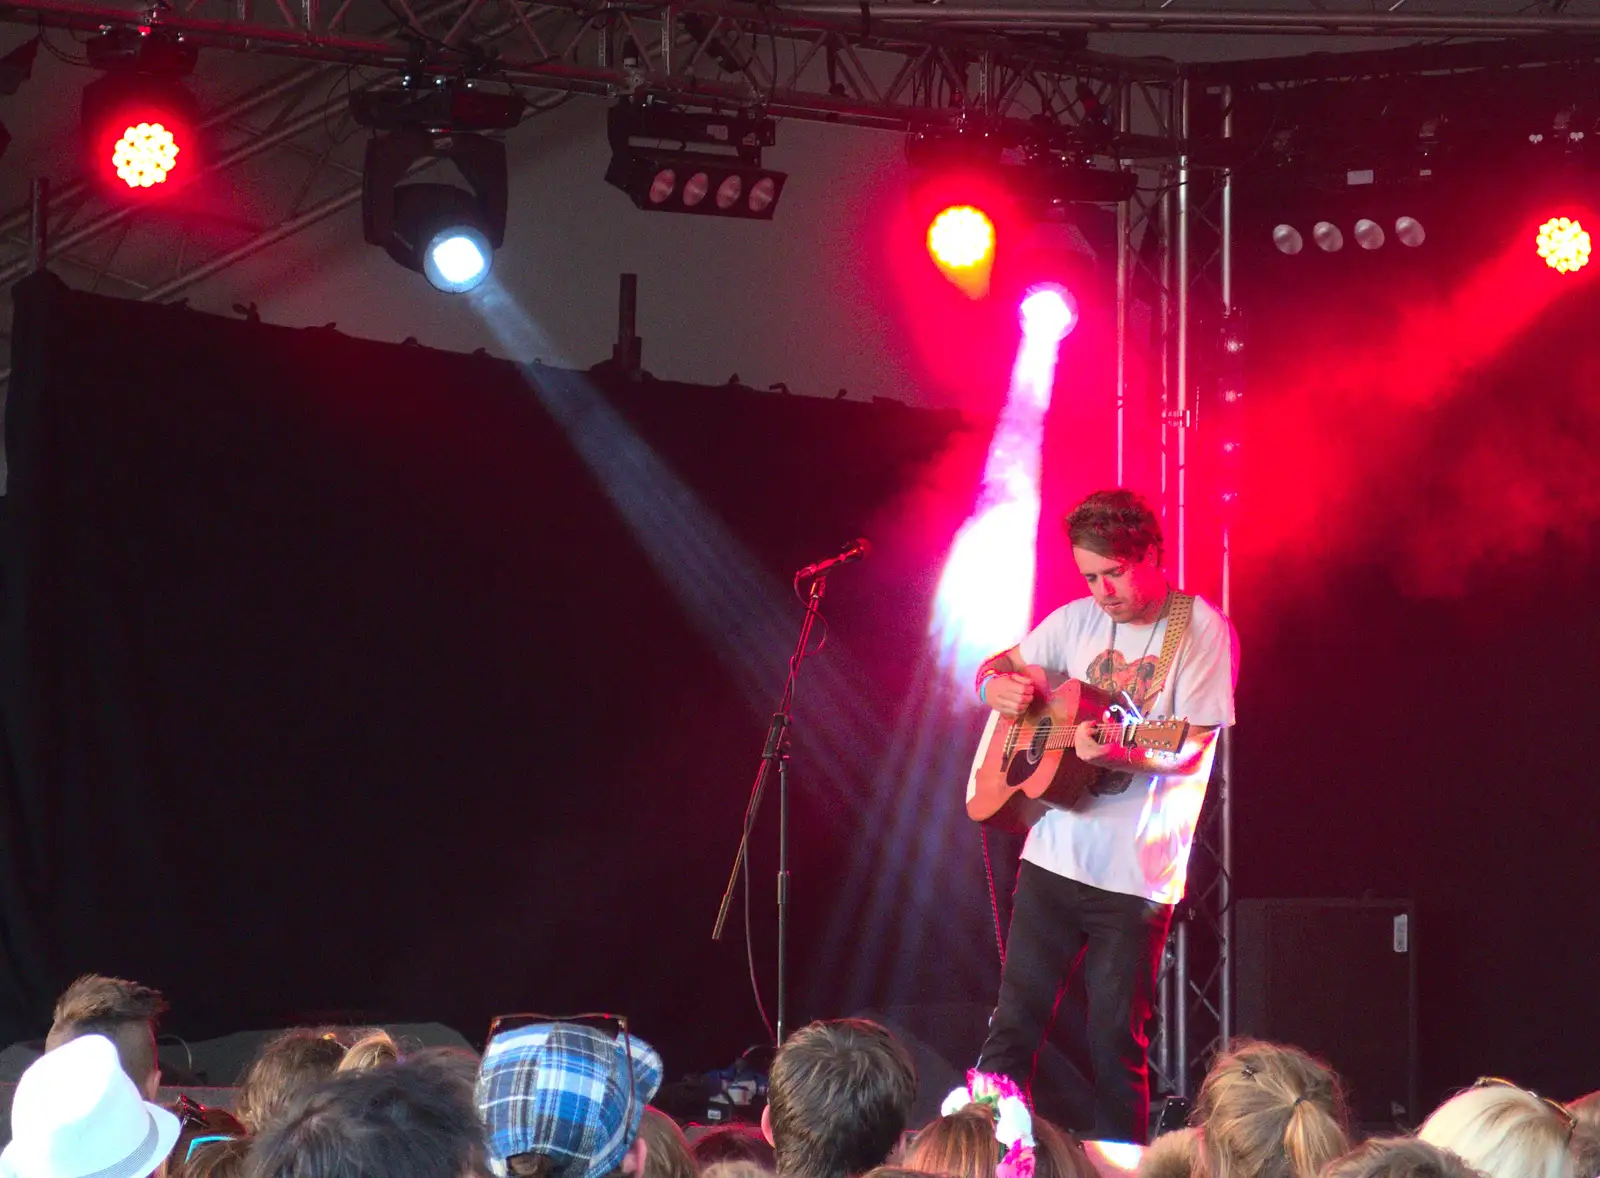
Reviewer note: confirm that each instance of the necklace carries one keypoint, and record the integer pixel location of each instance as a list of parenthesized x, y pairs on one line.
[(1166, 602)]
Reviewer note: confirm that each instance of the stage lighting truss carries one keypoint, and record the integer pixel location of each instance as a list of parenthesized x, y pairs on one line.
[(442, 231), (1042, 168), (730, 183), (140, 123)]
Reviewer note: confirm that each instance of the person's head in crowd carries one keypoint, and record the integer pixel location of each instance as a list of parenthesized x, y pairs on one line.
[(1587, 1110), (1398, 1157), (224, 1158), (961, 1144), (199, 1125), (971, 1139), (735, 1168), (463, 1061), (838, 1098), (124, 1012), (371, 1050), (1268, 1111), (412, 1119), (895, 1172), (1060, 1152), (564, 1100), (1504, 1131), (77, 1114), (666, 1150), (733, 1143), (1585, 1151), (291, 1063)]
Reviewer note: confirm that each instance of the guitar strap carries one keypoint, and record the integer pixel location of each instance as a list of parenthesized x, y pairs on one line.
[(1179, 611)]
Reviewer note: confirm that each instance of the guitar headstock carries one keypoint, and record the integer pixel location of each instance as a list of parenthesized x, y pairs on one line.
[(1162, 736)]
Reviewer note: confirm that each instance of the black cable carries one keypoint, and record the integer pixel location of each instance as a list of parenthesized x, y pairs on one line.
[(994, 897)]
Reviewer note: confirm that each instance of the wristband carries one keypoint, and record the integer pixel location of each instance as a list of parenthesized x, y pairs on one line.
[(983, 687)]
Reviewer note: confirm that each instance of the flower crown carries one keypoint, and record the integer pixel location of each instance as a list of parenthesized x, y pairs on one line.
[(1013, 1123)]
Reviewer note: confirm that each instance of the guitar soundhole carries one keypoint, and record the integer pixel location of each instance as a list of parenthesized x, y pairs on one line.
[(1020, 766)]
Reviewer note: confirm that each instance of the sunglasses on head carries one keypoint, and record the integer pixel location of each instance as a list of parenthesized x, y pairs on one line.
[(196, 1142), (1556, 1106)]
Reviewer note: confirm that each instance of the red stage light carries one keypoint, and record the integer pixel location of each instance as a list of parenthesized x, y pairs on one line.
[(1564, 244), (145, 154), (961, 237)]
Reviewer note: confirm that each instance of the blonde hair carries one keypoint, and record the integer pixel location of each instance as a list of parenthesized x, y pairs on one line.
[(372, 1050), (1506, 1132), (1269, 1111)]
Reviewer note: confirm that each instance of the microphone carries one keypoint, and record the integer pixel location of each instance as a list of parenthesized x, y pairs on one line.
[(859, 547)]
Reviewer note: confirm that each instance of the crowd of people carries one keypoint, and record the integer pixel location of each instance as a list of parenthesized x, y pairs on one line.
[(571, 1099)]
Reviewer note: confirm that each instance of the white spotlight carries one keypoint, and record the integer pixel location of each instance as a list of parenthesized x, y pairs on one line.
[(1288, 240), (457, 259), (1369, 234)]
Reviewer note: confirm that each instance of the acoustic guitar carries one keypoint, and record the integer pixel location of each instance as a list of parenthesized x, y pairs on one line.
[(1026, 764)]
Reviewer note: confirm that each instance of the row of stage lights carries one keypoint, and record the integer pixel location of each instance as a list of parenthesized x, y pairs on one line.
[(142, 122), (143, 134), (1562, 242)]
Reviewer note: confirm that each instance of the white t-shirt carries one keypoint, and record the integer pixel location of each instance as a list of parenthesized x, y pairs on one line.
[(1131, 833)]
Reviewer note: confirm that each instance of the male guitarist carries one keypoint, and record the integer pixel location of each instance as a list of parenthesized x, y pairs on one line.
[(1099, 879)]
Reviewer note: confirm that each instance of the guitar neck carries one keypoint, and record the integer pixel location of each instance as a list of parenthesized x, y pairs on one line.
[(1063, 738)]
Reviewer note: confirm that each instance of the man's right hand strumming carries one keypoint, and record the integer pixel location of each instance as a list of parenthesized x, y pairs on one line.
[(1009, 693), (1007, 684)]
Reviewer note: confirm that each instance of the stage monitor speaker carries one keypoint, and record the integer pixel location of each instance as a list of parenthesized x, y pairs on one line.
[(1339, 979)]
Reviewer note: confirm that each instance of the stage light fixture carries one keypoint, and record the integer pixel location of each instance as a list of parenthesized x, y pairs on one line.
[(1408, 231), (139, 122), (16, 67), (1048, 313), (961, 237), (1564, 244), (676, 180), (446, 233), (1038, 167)]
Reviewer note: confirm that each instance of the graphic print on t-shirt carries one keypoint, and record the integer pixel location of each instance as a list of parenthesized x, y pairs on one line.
[(1113, 674)]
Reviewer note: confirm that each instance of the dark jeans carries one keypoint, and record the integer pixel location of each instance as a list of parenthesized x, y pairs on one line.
[(1055, 923)]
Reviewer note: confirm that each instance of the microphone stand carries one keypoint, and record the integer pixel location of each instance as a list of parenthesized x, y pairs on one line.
[(776, 753)]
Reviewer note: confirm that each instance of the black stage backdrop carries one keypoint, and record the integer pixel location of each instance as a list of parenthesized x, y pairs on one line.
[(335, 684)]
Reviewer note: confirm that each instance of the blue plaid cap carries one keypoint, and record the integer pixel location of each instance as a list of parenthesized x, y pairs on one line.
[(561, 1090)]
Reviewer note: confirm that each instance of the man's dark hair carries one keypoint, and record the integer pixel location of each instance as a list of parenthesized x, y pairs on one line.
[(839, 1097), (413, 1119), (732, 1143), (1398, 1157), (1120, 524), (124, 1012)]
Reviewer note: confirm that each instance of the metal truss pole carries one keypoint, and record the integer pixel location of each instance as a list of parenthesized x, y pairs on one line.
[(1180, 426), (1225, 740), (1124, 278)]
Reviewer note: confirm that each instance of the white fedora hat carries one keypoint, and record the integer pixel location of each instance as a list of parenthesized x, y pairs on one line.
[(76, 1114)]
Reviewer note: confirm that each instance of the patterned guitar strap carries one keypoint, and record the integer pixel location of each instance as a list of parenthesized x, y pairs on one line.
[(1179, 610)]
